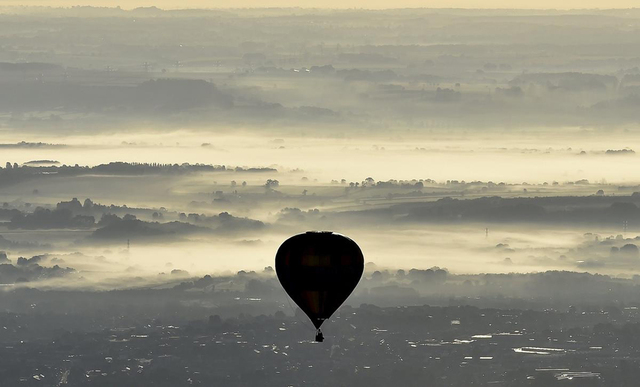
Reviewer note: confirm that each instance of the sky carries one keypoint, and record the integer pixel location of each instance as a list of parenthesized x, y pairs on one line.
[(377, 4)]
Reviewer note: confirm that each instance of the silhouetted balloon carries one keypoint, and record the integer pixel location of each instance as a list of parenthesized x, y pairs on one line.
[(319, 270)]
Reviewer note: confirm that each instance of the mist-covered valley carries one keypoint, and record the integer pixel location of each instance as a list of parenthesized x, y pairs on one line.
[(153, 161)]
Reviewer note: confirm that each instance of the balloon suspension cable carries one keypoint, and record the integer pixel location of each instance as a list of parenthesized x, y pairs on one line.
[(319, 336)]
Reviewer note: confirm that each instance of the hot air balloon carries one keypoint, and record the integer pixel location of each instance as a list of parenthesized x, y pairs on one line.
[(319, 270)]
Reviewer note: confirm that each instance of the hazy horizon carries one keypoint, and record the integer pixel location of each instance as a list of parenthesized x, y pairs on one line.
[(331, 4)]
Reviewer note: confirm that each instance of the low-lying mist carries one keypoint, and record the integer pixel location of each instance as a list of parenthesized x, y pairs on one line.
[(505, 155)]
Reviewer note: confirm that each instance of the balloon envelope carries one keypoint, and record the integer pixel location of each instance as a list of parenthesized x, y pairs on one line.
[(319, 270)]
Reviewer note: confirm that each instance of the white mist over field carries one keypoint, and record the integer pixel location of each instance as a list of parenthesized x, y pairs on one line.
[(509, 155)]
